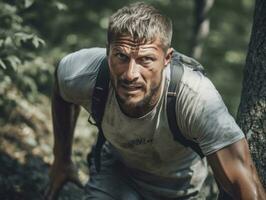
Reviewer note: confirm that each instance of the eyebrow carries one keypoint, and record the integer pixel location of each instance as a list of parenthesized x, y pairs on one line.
[(133, 45), (149, 47), (141, 50), (120, 49), (140, 53), (148, 54)]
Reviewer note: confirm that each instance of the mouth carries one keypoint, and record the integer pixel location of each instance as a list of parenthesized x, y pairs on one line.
[(131, 88)]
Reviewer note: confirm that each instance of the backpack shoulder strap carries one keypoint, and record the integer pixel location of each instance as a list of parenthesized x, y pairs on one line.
[(177, 71), (100, 92), (99, 98)]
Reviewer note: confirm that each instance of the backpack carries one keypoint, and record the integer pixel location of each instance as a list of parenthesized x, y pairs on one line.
[(100, 94)]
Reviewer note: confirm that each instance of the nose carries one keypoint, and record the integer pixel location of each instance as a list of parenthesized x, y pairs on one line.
[(132, 72)]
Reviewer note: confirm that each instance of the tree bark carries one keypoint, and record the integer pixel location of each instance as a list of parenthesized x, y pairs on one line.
[(201, 26), (251, 115)]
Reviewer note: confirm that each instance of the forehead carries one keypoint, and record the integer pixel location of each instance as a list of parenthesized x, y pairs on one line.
[(127, 43)]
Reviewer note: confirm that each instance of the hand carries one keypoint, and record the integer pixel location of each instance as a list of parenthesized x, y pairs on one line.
[(60, 174)]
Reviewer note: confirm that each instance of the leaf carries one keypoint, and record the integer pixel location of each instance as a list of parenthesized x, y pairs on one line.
[(2, 64), (28, 3), (1, 42), (14, 61), (23, 36), (8, 41), (60, 6), (37, 41)]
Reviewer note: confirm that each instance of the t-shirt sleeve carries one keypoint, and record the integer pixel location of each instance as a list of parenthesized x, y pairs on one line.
[(62, 73), (77, 74), (205, 118)]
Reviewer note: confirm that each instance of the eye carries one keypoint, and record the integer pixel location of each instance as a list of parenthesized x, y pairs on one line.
[(146, 59), (121, 56)]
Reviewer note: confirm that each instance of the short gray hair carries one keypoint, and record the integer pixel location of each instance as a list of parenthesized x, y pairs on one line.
[(142, 22)]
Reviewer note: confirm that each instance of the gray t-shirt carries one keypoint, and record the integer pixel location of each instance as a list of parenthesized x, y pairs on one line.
[(145, 145)]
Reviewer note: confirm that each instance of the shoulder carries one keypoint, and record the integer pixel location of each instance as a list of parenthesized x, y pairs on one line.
[(197, 94), (84, 53), (201, 90), (73, 62), (77, 73), (203, 115), (196, 81)]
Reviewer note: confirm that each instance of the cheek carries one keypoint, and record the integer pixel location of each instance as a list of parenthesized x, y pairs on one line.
[(155, 76), (113, 73), (113, 69), (116, 68), (152, 80), (156, 79)]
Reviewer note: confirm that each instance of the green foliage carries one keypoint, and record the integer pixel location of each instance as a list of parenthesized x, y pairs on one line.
[(18, 43), (16, 39), (226, 47)]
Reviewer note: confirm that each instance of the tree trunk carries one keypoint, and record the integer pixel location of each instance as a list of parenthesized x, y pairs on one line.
[(201, 26), (252, 109)]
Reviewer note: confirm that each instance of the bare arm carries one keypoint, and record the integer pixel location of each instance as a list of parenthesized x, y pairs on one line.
[(236, 173), (64, 121), (64, 116)]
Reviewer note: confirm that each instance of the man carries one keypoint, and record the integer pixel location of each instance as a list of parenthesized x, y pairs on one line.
[(140, 159)]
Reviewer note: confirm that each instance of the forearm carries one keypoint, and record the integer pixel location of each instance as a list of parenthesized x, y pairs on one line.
[(234, 170), (243, 184), (64, 120), (248, 185)]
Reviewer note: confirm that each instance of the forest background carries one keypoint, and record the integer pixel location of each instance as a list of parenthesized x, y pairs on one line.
[(35, 35)]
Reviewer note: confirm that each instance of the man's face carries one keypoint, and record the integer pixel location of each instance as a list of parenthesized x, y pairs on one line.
[(136, 73)]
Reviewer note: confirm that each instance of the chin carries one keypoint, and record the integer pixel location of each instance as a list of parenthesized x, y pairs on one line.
[(131, 101), (134, 106)]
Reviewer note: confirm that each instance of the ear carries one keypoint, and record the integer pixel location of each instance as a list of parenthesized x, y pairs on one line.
[(168, 56)]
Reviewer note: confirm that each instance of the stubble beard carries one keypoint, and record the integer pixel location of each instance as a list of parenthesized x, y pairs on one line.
[(141, 107)]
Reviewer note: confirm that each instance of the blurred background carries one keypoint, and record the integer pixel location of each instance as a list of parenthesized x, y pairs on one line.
[(35, 35)]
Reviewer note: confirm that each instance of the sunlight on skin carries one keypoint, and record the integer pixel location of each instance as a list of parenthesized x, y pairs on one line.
[(136, 73)]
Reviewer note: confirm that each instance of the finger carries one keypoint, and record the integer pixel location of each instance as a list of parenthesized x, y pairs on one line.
[(52, 189), (76, 179), (51, 194), (47, 192), (78, 183), (83, 177)]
